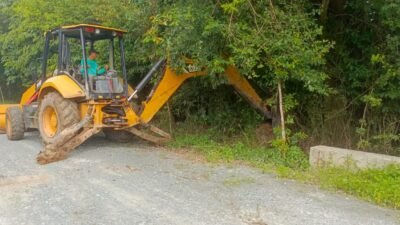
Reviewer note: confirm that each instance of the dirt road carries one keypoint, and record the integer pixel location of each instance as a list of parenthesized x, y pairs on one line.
[(109, 183)]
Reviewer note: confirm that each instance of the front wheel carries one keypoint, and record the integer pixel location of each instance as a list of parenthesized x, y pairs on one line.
[(56, 114)]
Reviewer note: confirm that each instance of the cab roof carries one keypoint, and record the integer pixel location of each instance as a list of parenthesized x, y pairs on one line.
[(90, 31)]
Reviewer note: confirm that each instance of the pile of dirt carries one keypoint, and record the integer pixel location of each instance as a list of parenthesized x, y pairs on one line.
[(265, 134)]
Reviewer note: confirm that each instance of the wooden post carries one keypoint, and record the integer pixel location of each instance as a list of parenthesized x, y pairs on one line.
[(283, 130), (2, 96), (171, 119)]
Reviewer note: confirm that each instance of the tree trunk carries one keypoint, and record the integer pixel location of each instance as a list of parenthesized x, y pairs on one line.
[(171, 119), (282, 113), (324, 11)]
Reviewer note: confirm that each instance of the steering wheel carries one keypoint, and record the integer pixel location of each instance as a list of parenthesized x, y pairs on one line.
[(111, 73)]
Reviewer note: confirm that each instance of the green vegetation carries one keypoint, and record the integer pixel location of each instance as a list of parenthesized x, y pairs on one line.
[(380, 186), (338, 64), (265, 158)]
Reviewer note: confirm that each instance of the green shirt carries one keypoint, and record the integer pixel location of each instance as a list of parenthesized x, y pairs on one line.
[(93, 68)]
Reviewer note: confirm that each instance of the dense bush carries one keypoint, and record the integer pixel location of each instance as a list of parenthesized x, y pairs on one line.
[(339, 63)]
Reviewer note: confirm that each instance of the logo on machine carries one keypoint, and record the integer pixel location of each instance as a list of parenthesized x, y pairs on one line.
[(191, 68)]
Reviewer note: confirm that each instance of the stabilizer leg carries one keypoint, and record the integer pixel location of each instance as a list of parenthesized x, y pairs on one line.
[(162, 137), (66, 142)]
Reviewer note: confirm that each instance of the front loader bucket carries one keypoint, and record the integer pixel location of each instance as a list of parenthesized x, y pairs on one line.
[(3, 110)]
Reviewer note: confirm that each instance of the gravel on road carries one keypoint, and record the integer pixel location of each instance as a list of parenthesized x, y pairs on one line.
[(110, 183)]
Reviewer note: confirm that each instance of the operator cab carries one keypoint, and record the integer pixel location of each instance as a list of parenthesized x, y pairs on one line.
[(74, 44)]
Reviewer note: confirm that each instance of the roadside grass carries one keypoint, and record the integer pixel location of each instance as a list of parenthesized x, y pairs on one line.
[(380, 186), (267, 159)]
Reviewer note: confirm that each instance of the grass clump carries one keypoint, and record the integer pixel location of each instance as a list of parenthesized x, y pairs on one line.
[(258, 156)]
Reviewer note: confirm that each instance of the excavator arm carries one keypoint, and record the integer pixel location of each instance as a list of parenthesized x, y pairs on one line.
[(168, 85), (244, 88), (171, 81)]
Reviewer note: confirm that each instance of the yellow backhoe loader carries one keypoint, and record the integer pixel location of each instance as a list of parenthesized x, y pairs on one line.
[(68, 106)]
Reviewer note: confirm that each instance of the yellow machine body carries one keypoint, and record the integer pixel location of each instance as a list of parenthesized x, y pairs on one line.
[(63, 84), (169, 84), (27, 94)]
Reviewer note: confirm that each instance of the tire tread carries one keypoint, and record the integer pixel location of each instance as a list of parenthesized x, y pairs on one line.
[(15, 117), (67, 111)]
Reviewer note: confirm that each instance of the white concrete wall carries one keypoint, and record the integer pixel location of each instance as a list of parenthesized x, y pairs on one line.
[(325, 155)]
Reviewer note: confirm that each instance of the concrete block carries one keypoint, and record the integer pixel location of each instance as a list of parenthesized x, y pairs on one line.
[(330, 156)]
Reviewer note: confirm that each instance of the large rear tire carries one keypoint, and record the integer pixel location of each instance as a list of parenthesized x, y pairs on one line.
[(120, 136), (55, 114), (15, 127)]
